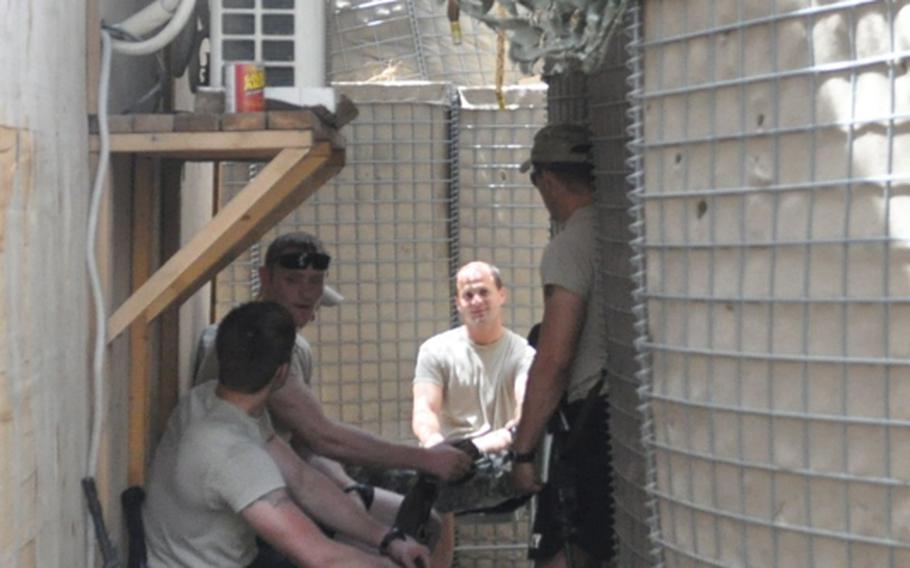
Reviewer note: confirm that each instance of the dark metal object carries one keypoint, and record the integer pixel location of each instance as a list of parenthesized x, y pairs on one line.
[(414, 514), (108, 552), (131, 500)]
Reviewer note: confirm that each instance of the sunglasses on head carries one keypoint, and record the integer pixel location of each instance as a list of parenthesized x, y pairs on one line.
[(299, 260)]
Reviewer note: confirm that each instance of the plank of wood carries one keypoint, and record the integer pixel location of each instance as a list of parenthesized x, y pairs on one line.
[(291, 120), (140, 352), (285, 182), (345, 111), (243, 121), (116, 123), (197, 122), (210, 146), (169, 355), (160, 122), (120, 123), (305, 119)]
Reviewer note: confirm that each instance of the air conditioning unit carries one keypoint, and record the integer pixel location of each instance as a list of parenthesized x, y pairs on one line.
[(287, 37)]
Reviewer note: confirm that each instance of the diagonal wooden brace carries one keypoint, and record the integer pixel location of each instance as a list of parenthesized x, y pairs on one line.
[(285, 182)]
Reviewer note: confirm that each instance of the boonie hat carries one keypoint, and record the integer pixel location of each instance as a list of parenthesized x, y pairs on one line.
[(560, 144)]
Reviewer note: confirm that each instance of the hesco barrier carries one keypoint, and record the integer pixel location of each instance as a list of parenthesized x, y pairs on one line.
[(431, 182), (772, 142)]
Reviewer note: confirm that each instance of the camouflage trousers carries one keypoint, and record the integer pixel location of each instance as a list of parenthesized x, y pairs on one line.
[(488, 486)]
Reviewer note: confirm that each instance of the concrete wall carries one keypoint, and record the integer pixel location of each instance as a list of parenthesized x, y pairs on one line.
[(44, 309)]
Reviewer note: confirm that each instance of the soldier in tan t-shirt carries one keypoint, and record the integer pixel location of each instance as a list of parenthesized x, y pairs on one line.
[(469, 381), (569, 363), (220, 477)]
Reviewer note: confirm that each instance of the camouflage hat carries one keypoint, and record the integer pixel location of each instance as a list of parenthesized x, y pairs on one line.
[(560, 144)]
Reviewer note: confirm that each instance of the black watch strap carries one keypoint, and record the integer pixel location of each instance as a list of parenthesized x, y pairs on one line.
[(366, 492), (527, 457), (394, 534)]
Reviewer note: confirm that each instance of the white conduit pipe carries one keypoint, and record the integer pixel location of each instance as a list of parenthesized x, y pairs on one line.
[(95, 280), (162, 38), (149, 18)]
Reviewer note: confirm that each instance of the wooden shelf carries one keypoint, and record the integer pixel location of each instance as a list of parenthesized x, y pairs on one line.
[(303, 149), (215, 137)]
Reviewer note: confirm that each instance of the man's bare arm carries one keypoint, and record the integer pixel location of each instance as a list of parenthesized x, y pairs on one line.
[(296, 406), (278, 520), (321, 498), (427, 407), (563, 318)]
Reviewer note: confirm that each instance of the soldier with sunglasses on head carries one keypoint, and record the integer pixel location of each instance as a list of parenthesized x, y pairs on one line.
[(294, 275)]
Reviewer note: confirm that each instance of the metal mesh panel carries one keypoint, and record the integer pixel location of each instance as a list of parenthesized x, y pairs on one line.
[(387, 219), (599, 100), (501, 220), (409, 39), (777, 260)]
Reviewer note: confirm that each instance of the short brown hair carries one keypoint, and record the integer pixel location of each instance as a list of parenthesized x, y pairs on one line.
[(297, 241)]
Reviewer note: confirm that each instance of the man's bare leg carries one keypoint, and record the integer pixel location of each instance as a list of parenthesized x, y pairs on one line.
[(384, 509), (444, 551)]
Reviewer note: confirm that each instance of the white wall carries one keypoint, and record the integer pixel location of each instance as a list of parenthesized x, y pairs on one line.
[(44, 309)]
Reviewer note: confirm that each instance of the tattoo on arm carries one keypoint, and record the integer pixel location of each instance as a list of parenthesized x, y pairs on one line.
[(276, 498)]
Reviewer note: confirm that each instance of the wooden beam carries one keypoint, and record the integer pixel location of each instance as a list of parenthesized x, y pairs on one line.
[(169, 328), (140, 353), (289, 179), (209, 146)]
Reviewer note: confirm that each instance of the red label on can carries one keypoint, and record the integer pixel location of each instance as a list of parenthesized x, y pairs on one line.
[(245, 87)]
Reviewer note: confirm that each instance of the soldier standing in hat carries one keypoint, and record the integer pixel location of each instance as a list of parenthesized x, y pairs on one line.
[(566, 374)]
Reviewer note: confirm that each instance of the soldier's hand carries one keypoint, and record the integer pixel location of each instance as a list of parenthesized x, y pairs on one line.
[(448, 463), (524, 478), (409, 553)]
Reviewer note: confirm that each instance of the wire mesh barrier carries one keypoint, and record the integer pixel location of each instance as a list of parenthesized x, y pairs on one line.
[(409, 39), (397, 227), (775, 238), (600, 100)]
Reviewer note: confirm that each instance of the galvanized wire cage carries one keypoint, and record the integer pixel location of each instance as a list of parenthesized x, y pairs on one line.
[(773, 197), (431, 182)]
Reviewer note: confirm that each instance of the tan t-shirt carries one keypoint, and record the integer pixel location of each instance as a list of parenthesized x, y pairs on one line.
[(478, 381), (299, 370), (209, 466), (570, 261)]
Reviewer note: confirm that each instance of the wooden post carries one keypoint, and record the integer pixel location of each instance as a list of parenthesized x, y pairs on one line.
[(144, 191), (169, 357)]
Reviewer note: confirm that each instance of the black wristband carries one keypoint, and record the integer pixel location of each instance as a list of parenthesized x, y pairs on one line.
[(365, 492), (394, 533), (523, 458)]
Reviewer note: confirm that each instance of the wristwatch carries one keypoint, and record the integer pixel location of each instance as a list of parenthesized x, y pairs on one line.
[(364, 491), (527, 457), (394, 534)]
